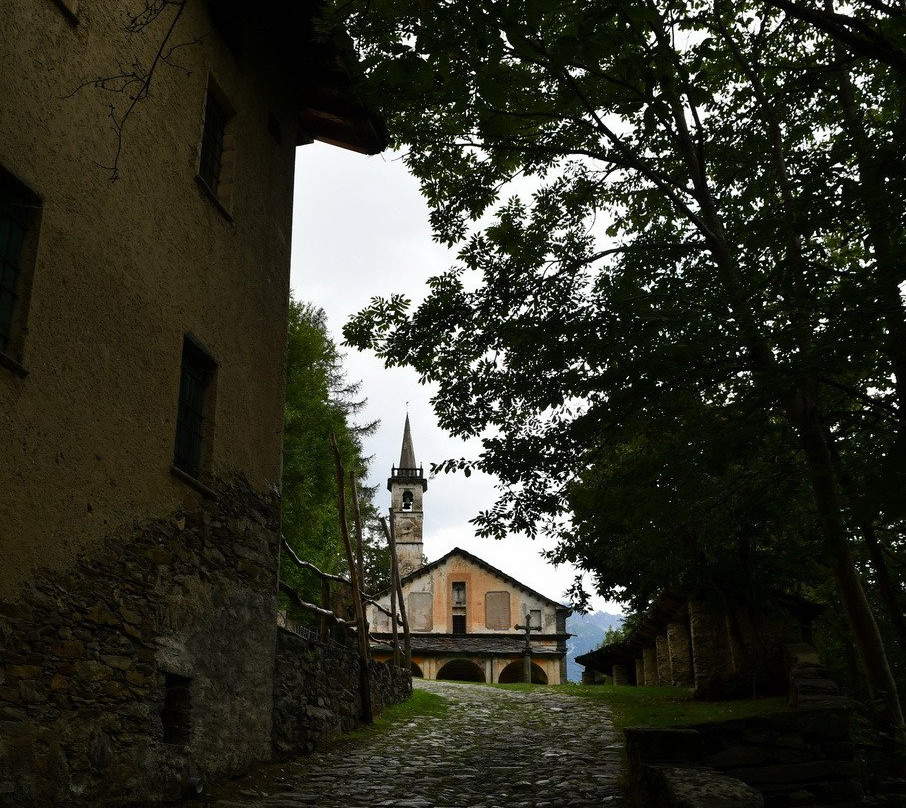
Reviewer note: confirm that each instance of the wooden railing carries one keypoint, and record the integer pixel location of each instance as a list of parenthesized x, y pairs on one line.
[(354, 560)]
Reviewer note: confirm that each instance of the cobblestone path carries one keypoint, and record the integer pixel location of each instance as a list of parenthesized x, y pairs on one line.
[(492, 749)]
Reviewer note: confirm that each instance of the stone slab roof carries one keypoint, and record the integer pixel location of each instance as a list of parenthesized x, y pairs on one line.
[(475, 644)]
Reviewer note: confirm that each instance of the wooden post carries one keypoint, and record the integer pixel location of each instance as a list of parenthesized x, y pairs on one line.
[(359, 560), (325, 603), (393, 619), (396, 588), (407, 640), (364, 673), (357, 515)]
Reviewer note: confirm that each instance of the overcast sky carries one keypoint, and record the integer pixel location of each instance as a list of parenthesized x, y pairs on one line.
[(360, 229)]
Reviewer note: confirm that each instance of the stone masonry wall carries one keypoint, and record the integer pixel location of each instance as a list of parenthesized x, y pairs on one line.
[(177, 613), (799, 757), (663, 661), (316, 691), (680, 655)]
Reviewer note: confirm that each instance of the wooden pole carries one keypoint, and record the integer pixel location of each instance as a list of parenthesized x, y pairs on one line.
[(359, 554), (393, 620), (397, 588), (357, 515), (407, 640), (325, 604), (364, 673), (391, 543)]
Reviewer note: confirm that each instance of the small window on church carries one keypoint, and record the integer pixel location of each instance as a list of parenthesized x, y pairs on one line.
[(459, 624), (459, 593), (421, 615), (536, 618), (407, 500)]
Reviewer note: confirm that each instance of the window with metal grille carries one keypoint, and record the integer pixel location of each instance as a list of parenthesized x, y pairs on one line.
[(19, 214), (196, 375), (13, 224), (213, 141)]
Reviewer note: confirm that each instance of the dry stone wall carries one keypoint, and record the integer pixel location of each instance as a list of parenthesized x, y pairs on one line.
[(316, 691)]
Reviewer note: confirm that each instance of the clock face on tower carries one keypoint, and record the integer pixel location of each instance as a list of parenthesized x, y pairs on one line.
[(406, 527)]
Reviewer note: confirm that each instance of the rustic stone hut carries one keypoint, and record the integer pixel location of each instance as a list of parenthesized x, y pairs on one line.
[(717, 651)]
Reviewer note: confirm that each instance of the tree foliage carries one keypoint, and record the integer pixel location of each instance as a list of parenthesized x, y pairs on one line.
[(684, 345), (319, 402)]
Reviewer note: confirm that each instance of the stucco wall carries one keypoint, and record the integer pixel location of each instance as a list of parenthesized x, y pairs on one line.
[(125, 268), (478, 581)]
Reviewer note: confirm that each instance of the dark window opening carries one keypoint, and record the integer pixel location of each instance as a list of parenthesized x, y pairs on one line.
[(19, 213), (459, 624), (176, 714), (213, 141), (273, 128), (407, 500), (196, 375)]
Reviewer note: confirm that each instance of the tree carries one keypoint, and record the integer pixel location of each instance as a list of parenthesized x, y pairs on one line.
[(319, 402), (716, 212)]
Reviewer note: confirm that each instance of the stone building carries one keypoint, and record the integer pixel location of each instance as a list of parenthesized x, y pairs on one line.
[(462, 611), (717, 651), (142, 340)]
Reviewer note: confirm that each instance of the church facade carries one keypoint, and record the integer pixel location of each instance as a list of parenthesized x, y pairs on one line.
[(463, 612)]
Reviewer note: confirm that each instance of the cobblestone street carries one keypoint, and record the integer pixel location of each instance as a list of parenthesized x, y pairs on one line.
[(493, 749)]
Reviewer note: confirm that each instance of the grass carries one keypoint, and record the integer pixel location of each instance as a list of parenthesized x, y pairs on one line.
[(663, 706), (420, 704)]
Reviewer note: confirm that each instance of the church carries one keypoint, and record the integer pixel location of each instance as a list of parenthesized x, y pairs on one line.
[(463, 612)]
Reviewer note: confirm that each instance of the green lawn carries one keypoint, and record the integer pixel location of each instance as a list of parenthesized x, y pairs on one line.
[(421, 703), (664, 706)]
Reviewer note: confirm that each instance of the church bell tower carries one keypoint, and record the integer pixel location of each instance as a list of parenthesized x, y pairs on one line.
[(407, 483)]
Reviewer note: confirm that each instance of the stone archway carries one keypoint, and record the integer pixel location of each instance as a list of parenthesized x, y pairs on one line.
[(461, 670), (417, 672), (512, 673)]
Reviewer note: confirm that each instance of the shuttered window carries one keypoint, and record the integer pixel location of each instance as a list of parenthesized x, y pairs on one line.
[(497, 610)]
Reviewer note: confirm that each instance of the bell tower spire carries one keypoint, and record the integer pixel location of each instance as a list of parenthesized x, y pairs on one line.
[(406, 485)]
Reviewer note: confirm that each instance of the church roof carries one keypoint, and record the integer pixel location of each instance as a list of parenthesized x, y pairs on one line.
[(407, 453), (426, 570), (478, 644)]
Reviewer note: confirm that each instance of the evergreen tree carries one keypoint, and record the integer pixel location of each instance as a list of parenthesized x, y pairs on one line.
[(320, 402)]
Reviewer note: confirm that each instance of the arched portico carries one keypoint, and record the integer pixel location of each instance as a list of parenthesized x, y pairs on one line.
[(512, 673), (461, 670), (417, 672)]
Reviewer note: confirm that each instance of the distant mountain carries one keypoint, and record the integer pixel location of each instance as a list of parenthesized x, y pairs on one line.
[(589, 633)]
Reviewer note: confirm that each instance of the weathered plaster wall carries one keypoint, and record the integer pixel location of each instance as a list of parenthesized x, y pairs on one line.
[(478, 581), (84, 657), (125, 268)]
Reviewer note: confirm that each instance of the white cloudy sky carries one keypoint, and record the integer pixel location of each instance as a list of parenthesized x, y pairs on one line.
[(361, 229)]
